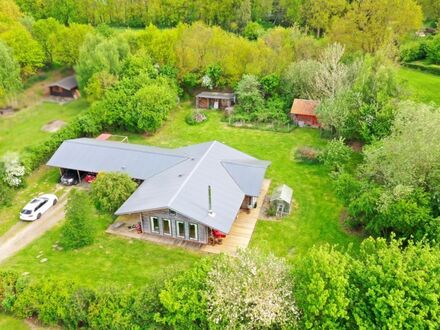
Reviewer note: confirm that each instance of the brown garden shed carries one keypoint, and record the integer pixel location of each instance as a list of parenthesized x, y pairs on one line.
[(66, 87), (214, 100)]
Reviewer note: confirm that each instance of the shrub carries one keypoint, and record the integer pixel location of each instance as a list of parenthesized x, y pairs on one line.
[(433, 50), (307, 154), (250, 291), (196, 117), (413, 51), (253, 30), (322, 284), (79, 229), (336, 154), (13, 170), (111, 190), (184, 299)]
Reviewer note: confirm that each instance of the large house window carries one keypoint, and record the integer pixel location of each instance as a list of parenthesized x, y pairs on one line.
[(180, 229), (193, 232), (155, 225), (166, 225)]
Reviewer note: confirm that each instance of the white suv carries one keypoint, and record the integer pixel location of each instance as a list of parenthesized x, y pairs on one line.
[(36, 207)]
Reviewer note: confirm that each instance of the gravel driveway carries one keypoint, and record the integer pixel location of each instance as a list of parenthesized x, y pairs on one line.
[(31, 231)]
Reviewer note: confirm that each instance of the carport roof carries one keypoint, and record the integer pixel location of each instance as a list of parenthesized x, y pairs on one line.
[(90, 155), (177, 179)]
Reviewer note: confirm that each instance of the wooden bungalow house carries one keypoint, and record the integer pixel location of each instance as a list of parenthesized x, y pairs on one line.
[(303, 113), (188, 194), (66, 87), (214, 100)]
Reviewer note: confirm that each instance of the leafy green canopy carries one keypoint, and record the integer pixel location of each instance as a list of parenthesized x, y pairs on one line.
[(387, 286), (398, 187), (79, 229), (111, 190), (10, 80)]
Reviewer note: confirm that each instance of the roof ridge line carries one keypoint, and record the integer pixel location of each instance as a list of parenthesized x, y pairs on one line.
[(191, 173), (131, 144), (242, 163)]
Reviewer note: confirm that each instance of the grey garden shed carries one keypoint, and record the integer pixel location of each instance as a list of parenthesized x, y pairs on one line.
[(281, 199)]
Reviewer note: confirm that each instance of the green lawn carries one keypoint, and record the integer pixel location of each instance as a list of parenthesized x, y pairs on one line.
[(24, 127), (41, 181), (424, 87), (9, 323), (110, 259)]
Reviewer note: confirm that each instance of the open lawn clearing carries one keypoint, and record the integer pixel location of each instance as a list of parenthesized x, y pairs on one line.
[(44, 180), (314, 220), (110, 260), (424, 86), (10, 323), (24, 128)]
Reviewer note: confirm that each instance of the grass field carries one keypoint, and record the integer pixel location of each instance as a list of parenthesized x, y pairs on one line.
[(9, 323), (424, 87), (24, 127), (110, 259)]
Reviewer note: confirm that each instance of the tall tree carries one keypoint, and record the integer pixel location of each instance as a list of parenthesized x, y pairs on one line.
[(369, 24), (42, 31), (319, 14), (10, 80), (27, 52)]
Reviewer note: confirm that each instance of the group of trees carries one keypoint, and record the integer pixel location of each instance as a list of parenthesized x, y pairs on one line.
[(385, 285), (421, 49), (397, 187), (362, 23)]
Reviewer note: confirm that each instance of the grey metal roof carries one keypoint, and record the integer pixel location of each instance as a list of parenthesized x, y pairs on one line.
[(173, 178), (283, 193), (216, 95), (66, 83), (184, 187), (248, 175), (90, 155)]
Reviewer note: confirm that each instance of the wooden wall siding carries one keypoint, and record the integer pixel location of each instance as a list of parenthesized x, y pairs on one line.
[(203, 103), (58, 91), (165, 214)]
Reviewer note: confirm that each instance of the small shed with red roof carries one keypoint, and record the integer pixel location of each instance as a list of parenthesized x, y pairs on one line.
[(303, 112)]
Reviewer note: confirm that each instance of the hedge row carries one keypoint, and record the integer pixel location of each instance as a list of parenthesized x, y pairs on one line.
[(425, 68), (65, 303)]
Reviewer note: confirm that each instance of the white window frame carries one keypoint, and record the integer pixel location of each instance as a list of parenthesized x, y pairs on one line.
[(196, 231), (169, 226), (178, 233), (152, 225)]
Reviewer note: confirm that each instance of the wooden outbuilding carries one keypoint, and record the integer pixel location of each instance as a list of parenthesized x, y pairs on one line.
[(303, 113), (66, 87), (214, 100)]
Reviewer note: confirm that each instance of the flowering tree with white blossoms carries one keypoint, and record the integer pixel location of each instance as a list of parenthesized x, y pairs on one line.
[(207, 82), (13, 169), (251, 291)]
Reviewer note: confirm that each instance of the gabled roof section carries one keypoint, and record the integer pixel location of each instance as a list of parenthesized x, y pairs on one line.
[(66, 83), (248, 174), (283, 193), (91, 155), (184, 187), (216, 95), (304, 107)]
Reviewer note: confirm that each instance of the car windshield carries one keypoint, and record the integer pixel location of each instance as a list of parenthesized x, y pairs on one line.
[(24, 211)]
